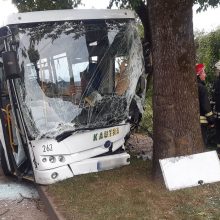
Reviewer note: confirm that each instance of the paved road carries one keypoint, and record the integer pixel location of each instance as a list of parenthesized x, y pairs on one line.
[(19, 200)]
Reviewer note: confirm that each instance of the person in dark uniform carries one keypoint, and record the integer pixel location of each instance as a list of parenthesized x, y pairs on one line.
[(206, 115), (216, 99)]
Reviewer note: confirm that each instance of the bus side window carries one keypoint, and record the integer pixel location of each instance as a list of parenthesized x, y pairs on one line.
[(122, 80), (1, 73), (2, 80)]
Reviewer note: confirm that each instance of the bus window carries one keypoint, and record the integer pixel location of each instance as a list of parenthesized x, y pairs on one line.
[(2, 79)]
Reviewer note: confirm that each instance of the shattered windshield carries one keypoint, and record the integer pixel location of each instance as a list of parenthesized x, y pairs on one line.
[(77, 74)]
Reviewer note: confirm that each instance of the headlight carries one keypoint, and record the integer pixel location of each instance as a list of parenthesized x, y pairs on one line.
[(54, 175), (61, 158), (52, 159)]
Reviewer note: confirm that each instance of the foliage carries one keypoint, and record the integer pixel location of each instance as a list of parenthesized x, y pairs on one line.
[(204, 4), (140, 30), (147, 117), (126, 3), (41, 5), (208, 51)]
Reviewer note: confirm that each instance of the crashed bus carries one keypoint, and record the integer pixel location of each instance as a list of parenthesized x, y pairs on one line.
[(68, 81)]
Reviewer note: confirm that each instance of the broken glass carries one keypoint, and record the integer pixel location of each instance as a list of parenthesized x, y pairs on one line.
[(77, 74)]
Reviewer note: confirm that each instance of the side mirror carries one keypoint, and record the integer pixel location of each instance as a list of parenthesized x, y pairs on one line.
[(3, 32), (141, 86), (10, 64)]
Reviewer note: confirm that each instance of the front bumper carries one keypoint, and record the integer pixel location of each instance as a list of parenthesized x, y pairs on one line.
[(86, 166)]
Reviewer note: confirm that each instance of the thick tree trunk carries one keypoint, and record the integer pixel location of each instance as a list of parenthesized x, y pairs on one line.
[(176, 124)]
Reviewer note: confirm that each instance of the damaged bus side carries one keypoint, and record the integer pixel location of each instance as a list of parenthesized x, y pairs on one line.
[(68, 79)]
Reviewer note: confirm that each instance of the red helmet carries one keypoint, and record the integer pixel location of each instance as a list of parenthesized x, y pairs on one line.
[(199, 67)]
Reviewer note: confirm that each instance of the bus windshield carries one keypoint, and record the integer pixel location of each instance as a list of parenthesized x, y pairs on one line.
[(76, 74)]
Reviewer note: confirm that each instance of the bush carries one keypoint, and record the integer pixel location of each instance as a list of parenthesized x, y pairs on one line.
[(146, 124)]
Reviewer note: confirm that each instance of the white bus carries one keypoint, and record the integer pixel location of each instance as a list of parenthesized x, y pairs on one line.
[(68, 78)]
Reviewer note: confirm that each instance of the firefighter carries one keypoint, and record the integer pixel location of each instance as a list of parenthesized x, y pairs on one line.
[(216, 99), (206, 115)]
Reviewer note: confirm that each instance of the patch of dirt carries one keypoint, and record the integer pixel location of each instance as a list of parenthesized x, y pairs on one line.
[(140, 146), (22, 210)]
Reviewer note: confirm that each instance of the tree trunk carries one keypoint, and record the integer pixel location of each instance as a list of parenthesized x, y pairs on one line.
[(176, 127), (142, 11)]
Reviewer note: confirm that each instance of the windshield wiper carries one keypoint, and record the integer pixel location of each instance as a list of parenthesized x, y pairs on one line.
[(66, 134)]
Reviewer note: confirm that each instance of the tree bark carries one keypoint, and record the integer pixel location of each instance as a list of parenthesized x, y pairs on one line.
[(176, 127)]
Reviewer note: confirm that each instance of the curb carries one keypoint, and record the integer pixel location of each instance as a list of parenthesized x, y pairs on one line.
[(49, 204)]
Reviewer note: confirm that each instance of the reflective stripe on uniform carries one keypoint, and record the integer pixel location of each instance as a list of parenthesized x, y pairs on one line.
[(208, 114), (217, 115), (203, 120)]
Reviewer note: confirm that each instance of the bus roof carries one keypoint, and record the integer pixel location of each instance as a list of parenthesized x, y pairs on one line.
[(67, 15)]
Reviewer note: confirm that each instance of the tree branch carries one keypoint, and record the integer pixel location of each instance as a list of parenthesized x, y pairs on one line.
[(142, 11)]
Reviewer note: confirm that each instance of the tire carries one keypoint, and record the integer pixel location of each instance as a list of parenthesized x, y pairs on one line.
[(4, 165)]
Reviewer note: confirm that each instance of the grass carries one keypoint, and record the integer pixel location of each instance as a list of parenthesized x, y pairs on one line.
[(129, 193)]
